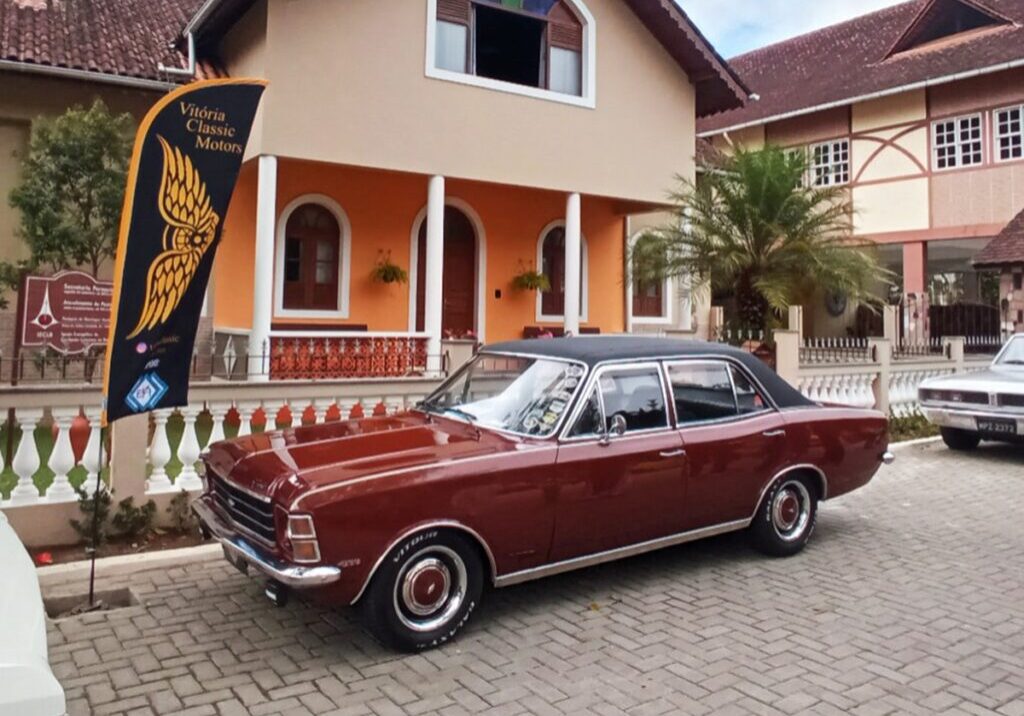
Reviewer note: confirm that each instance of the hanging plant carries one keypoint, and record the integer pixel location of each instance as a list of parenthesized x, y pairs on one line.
[(530, 280), (387, 272)]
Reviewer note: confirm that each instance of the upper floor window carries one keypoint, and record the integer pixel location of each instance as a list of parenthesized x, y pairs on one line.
[(957, 142), (1009, 133), (830, 163), (530, 45)]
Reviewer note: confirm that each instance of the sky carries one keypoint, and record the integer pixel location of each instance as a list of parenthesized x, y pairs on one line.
[(736, 26)]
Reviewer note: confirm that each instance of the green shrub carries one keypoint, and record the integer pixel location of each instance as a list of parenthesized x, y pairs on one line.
[(134, 522), (180, 511), (95, 514)]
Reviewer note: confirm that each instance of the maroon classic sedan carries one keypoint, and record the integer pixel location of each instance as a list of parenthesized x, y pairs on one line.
[(537, 457)]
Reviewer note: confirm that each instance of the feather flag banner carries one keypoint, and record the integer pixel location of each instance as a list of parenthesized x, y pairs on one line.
[(187, 157)]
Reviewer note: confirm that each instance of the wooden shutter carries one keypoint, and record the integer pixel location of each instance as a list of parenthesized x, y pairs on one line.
[(453, 11), (566, 28)]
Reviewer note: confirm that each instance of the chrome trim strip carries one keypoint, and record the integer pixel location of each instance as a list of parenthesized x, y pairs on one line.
[(443, 524), (969, 412), (632, 550), (288, 574), (785, 471), (256, 496)]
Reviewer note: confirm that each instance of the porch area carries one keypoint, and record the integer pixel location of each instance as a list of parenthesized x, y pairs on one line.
[(332, 271)]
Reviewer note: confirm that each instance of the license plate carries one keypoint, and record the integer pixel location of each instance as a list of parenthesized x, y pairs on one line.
[(997, 426), (237, 562)]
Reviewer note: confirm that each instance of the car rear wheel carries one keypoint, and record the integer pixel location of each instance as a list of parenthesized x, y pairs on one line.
[(786, 516), (960, 440), (424, 591)]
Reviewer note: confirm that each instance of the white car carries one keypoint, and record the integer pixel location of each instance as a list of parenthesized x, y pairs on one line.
[(27, 686), (988, 405)]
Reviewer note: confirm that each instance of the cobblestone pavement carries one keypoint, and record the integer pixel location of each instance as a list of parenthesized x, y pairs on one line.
[(910, 599)]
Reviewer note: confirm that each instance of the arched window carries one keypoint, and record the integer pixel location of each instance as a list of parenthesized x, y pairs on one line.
[(649, 296), (312, 259), (312, 242), (541, 45), (552, 263)]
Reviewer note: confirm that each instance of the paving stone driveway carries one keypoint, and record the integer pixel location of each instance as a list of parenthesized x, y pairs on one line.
[(910, 599)]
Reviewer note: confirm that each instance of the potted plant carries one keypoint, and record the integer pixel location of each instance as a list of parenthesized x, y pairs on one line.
[(529, 279), (387, 272)]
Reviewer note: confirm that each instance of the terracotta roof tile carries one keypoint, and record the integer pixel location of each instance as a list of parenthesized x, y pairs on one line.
[(1006, 248), (852, 59), (127, 38)]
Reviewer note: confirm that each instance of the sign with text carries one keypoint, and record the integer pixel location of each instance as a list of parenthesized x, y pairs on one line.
[(68, 313), (188, 153)]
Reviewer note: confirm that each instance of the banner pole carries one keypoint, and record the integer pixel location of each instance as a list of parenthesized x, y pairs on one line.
[(95, 524)]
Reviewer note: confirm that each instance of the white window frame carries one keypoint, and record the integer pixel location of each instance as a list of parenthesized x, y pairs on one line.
[(542, 317), (997, 135), (344, 259), (791, 151), (832, 147), (957, 144), (589, 65), (667, 292)]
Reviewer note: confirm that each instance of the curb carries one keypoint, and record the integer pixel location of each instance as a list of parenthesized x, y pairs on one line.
[(919, 441), (60, 574)]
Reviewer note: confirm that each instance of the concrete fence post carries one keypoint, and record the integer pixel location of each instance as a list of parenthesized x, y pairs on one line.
[(881, 351), (891, 324), (796, 321), (716, 322), (787, 356), (955, 351), (129, 445)]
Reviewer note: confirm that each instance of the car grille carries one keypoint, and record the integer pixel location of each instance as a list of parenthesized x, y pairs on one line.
[(247, 512), (955, 396), (1011, 401)]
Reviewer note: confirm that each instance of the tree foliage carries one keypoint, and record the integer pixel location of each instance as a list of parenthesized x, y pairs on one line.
[(72, 188), (755, 229)]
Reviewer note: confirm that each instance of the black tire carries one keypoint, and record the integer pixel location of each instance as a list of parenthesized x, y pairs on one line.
[(433, 560), (960, 440), (785, 519)]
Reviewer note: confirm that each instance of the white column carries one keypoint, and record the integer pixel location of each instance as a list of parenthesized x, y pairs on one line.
[(91, 457), (246, 410), (26, 457), (263, 283), (189, 452), (218, 412), (159, 454), (433, 298), (62, 458), (572, 264)]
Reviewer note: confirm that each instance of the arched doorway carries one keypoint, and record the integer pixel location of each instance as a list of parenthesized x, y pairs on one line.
[(458, 313)]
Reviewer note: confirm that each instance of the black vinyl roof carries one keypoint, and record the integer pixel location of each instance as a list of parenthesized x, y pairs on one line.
[(594, 350)]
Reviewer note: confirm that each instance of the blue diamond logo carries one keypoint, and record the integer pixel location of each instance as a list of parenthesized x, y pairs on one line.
[(146, 393)]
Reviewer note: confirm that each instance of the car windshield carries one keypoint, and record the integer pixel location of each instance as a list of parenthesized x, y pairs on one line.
[(1014, 353), (520, 395)]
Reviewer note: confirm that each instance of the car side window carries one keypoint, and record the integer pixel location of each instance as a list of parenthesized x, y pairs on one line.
[(702, 392), (749, 400), (589, 423), (637, 396)]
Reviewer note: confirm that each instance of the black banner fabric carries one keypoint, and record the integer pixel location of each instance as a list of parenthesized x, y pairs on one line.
[(188, 153)]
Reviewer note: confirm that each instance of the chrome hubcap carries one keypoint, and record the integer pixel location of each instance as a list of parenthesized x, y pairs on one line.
[(430, 589), (426, 586), (791, 510)]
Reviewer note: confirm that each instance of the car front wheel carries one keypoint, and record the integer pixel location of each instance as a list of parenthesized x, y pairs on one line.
[(785, 519), (960, 440), (424, 591)]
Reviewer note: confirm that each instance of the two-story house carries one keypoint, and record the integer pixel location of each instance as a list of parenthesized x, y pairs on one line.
[(919, 110), (463, 141)]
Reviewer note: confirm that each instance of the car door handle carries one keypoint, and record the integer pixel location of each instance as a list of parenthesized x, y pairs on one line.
[(774, 433), (673, 453)]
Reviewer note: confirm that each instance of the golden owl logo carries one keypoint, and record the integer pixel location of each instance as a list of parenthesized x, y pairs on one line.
[(191, 228)]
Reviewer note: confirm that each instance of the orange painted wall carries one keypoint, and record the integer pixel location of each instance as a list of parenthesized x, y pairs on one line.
[(382, 208)]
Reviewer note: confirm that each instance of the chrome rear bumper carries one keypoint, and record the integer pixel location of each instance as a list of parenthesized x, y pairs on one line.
[(238, 550)]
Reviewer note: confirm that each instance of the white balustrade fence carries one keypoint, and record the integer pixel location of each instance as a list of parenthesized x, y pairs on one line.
[(178, 437)]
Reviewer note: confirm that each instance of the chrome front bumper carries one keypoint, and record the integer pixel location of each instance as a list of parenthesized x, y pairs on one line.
[(966, 418), (238, 550)]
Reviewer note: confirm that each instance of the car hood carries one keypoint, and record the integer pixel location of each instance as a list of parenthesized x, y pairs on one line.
[(996, 379), (283, 464)]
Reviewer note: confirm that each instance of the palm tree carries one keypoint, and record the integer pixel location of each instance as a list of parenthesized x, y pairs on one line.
[(755, 228)]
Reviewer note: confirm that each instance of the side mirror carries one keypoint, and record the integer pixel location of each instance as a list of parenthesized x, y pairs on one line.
[(616, 429)]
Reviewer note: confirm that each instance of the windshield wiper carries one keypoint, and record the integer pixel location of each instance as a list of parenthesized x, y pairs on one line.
[(1013, 361), (464, 413)]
